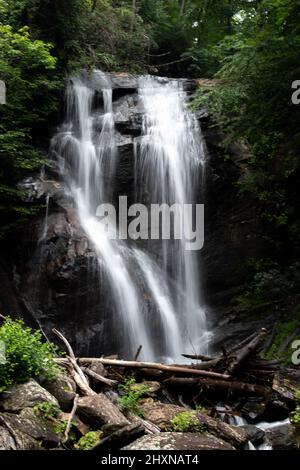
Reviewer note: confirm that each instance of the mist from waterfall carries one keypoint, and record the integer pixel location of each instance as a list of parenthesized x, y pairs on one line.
[(154, 289)]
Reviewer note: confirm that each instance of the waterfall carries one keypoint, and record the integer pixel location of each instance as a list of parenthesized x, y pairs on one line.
[(171, 166), (154, 290)]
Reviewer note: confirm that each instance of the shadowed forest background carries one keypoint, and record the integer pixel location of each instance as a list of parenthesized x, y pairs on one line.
[(245, 55)]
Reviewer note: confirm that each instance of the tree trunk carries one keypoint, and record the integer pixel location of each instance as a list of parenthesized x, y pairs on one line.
[(182, 7)]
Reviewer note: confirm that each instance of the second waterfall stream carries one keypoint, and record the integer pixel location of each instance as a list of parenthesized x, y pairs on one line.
[(154, 285)]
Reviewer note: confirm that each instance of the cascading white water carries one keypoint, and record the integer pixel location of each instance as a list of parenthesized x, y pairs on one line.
[(171, 163), (156, 306)]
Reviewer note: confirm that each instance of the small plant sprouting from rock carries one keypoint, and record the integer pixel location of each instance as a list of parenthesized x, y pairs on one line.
[(186, 421), (26, 355), (201, 409), (88, 441), (48, 410), (61, 427), (131, 393), (295, 416)]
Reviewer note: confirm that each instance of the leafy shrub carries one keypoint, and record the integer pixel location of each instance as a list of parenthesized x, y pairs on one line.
[(131, 393), (295, 416), (186, 421), (48, 410), (88, 441), (272, 284), (26, 355), (284, 329)]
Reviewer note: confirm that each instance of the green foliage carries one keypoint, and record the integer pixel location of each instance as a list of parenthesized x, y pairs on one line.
[(28, 68), (26, 355), (61, 427), (131, 394), (89, 440), (252, 104), (186, 421), (284, 329), (48, 410), (270, 284), (201, 409), (295, 416)]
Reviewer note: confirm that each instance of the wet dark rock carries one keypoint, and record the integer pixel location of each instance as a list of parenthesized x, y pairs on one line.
[(281, 437), (276, 410), (128, 115), (253, 434), (25, 395), (202, 115), (179, 441), (253, 411)]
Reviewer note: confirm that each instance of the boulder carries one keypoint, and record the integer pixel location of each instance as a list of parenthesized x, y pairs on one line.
[(253, 411), (159, 413), (152, 387), (25, 395), (179, 441), (16, 440), (63, 388), (98, 368), (253, 433), (232, 434), (34, 426), (280, 437), (98, 410)]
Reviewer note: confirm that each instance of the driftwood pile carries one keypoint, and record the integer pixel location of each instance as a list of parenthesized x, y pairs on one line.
[(238, 371)]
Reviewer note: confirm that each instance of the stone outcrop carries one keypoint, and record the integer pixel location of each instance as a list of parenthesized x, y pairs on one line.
[(63, 388), (161, 414), (98, 410), (179, 441), (25, 395)]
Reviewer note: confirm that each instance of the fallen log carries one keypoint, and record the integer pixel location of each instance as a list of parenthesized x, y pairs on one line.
[(98, 377), (229, 386), (199, 357), (246, 351), (156, 366), (243, 342)]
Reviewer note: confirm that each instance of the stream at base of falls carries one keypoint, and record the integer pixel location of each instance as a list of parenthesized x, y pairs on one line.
[(154, 287), (267, 427)]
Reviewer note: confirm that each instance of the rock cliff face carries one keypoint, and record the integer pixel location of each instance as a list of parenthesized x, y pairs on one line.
[(51, 274)]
